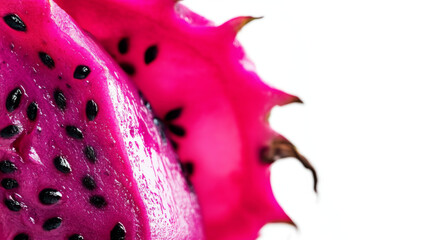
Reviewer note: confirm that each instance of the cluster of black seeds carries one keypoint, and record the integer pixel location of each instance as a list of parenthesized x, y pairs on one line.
[(8, 183), (187, 167), (174, 129), (149, 55), (51, 196)]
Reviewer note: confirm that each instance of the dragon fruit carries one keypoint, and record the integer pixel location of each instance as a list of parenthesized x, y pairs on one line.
[(214, 106), (81, 157)]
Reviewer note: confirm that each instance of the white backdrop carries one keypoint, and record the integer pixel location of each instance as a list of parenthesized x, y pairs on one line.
[(362, 69)]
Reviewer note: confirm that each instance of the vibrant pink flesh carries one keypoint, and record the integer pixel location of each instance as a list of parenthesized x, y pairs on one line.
[(203, 70), (135, 170)]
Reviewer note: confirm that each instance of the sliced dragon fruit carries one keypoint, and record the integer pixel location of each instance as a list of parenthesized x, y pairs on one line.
[(212, 102), (80, 155)]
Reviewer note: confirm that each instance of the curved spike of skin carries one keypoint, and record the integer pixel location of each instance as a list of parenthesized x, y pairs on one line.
[(233, 26), (182, 61), (281, 148), (134, 187)]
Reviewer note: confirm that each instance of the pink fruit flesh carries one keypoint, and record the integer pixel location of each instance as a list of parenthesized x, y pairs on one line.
[(61, 123), (214, 105)]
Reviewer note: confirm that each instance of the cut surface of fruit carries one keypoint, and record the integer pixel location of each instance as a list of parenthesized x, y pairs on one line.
[(81, 157)]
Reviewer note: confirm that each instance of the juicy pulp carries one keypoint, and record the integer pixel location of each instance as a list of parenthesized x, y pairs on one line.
[(80, 154)]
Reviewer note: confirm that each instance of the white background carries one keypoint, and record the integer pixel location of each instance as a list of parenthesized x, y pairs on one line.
[(362, 69)]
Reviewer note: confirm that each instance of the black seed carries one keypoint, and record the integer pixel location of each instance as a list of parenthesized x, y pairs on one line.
[(74, 132), (128, 68), (21, 236), (9, 131), (123, 45), (47, 60), (49, 196), (76, 237), (98, 201), (281, 148), (173, 114), (15, 22), (7, 166), (187, 168), (150, 54), (89, 183), (9, 183), (81, 72), (90, 154), (12, 205), (32, 111), (62, 165), (60, 99), (118, 232), (176, 130), (91, 110), (52, 223), (13, 99), (174, 144)]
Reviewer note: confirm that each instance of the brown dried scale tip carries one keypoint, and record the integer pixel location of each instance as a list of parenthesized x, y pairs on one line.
[(236, 24), (282, 148)]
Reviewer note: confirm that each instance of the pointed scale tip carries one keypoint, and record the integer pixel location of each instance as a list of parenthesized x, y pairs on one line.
[(289, 222), (296, 99), (280, 98), (293, 224), (281, 148), (286, 99), (236, 24)]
